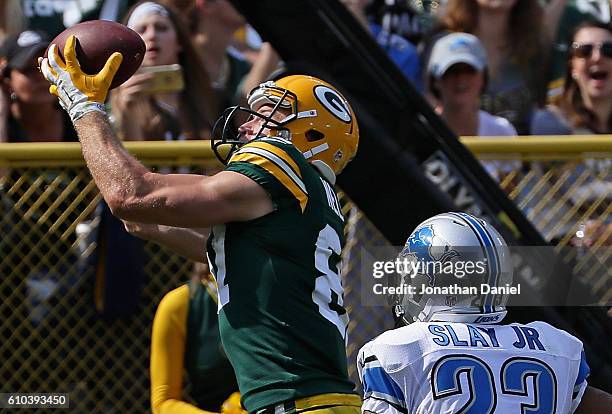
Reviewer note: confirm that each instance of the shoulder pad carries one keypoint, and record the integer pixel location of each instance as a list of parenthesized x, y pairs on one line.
[(269, 154)]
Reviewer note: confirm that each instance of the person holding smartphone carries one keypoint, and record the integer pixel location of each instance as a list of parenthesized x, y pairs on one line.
[(170, 97)]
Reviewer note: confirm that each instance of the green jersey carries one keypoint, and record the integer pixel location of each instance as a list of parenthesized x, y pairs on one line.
[(281, 314)]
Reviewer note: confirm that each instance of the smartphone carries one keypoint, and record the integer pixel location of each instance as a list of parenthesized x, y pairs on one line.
[(166, 78)]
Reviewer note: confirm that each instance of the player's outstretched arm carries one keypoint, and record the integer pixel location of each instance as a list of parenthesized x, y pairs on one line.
[(594, 401), (133, 192), (189, 243), (181, 200)]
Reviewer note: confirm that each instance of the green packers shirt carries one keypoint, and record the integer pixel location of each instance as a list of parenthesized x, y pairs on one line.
[(281, 314)]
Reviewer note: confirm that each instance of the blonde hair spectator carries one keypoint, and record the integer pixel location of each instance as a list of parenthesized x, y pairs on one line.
[(139, 112)]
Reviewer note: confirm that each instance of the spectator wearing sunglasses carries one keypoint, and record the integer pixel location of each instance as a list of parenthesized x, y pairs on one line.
[(586, 103), (585, 108), (571, 13)]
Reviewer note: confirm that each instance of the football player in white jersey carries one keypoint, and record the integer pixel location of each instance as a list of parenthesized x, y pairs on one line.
[(453, 357)]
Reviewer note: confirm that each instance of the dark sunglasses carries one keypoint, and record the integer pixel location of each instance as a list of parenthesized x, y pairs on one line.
[(585, 50)]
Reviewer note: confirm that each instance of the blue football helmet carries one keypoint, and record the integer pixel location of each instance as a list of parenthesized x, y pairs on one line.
[(448, 241)]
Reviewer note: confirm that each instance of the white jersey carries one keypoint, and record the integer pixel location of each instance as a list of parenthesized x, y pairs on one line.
[(442, 367)]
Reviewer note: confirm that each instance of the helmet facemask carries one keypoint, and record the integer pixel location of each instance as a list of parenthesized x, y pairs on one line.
[(227, 139)]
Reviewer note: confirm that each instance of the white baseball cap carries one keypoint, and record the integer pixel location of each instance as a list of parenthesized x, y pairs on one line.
[(456, 48)]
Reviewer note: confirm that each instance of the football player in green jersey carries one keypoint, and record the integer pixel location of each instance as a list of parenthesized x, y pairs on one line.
[(277, 229)]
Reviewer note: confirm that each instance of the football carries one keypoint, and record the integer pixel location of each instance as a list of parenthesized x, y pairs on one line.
[(97, 40)]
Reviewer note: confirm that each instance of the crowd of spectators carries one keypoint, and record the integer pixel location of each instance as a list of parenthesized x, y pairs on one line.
[(526, 49)]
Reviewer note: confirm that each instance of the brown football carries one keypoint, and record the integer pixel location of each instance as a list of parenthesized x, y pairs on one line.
[(97, 40)]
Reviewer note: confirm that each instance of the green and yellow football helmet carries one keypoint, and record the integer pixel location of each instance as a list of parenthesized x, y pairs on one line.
[(320, 122)]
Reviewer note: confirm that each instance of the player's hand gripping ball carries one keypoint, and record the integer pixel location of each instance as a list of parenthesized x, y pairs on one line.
[(80, 91), (97, 40)]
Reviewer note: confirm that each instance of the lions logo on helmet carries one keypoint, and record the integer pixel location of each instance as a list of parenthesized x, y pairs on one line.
[(424, 246), (450, 237), (320, 123)]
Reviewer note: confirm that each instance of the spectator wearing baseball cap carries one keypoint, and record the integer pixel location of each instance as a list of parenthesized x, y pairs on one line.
[(457, 77), (28, 112), (21, 50)]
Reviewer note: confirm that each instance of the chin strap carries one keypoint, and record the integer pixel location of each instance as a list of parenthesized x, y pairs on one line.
[(325, 171)]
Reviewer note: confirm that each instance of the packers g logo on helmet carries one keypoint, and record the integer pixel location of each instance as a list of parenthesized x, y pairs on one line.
[(321, 123), (333, 102)]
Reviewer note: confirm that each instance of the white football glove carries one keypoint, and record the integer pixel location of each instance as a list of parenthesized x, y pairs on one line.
[(78, 92)]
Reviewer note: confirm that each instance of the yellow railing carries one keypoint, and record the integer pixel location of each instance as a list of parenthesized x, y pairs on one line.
[(573, 146), (69, 153)]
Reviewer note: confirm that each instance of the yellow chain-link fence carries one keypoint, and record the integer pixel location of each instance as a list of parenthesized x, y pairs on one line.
[(563, 185), (54, 334)]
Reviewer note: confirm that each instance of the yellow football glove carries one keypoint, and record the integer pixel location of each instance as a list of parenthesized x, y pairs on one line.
[(78, 92), (232, 405)]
